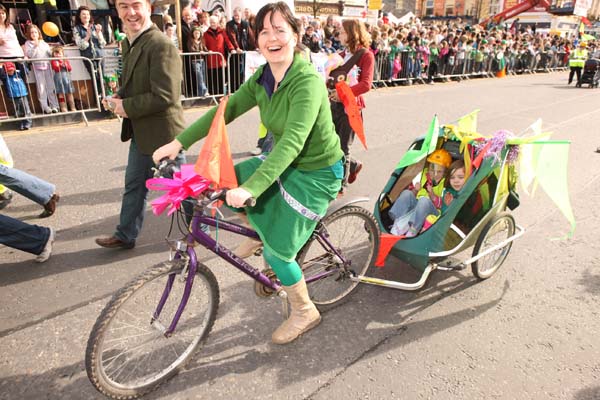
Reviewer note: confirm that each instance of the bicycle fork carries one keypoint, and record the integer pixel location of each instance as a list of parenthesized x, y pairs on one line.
[(188, 257)]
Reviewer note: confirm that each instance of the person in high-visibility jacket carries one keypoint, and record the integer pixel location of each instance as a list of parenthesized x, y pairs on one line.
[(577, 61)]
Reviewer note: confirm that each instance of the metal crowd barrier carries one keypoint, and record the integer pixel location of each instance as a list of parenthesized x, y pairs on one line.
[(203, 77), (461, 65), (45, 88), (240, 67)]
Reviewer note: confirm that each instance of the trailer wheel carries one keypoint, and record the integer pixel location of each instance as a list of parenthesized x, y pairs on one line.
[(500, 228)]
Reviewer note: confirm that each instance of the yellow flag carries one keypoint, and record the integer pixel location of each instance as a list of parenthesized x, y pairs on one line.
[(468, 123), (545, 162)]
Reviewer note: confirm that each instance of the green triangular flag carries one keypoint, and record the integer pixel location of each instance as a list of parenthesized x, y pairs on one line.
[(429, 145)]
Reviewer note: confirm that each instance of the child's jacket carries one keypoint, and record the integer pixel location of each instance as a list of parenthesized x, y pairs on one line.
[(15, 86)]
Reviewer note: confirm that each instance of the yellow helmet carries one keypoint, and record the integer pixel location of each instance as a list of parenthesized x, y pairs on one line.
[(583, 44), (440, 157)]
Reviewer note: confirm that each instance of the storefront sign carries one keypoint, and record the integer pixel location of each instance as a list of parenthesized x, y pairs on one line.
[(307, 7)]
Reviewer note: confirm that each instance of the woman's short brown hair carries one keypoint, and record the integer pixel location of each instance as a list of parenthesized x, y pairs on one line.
[(272, 8)]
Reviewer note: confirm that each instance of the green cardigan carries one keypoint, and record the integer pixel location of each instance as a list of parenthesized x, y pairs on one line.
[(297, 114)]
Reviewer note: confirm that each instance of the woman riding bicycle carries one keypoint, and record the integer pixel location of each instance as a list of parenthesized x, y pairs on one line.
[(294, 183)]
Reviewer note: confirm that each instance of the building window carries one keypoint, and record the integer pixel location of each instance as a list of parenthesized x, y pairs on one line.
[(428, 7), (449, 7)]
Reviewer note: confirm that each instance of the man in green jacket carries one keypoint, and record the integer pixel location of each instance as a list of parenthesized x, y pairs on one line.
[(149, 102)]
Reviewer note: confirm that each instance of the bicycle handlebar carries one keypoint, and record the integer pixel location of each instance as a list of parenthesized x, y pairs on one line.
[(220, 194), (167, 168)]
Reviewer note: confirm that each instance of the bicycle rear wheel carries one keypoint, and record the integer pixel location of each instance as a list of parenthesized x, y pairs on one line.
[(128, 353), (352, 231)]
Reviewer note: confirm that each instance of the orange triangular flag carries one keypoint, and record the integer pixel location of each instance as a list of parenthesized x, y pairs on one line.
[(349, 100), (386, 242), (214, 160)]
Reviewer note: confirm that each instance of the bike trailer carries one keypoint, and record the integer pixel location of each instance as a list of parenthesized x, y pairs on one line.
[(485, 194)]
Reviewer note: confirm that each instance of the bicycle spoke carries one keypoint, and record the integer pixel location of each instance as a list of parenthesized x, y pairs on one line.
[(122, 339), (345, 245)]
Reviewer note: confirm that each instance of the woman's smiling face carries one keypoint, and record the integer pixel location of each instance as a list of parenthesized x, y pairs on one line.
[(84, 16), (277, 40)]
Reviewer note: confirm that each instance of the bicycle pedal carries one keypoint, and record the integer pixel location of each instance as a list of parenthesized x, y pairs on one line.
[(261, 290)]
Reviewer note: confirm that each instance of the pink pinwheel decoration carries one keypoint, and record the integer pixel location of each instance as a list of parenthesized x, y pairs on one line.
[(333, 61), (185, 183)]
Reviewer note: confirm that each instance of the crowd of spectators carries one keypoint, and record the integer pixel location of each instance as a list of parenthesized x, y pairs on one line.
[(416, 51), (423, 50)]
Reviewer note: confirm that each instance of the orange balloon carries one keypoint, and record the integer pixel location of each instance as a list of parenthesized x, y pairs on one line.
[(50, 29)]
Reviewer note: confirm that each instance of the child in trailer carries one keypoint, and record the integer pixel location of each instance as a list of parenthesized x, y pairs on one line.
[(17, 92), (414, 204), (34, 48), (62, 80), (454, 181)]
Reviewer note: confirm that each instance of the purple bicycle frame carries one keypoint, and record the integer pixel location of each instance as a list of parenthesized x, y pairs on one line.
[(204, 239)]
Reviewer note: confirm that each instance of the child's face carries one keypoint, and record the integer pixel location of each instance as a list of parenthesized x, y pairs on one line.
[(170, 31), (457, 179), (112, 84), (34, 34), (57, 54), (436, 172)]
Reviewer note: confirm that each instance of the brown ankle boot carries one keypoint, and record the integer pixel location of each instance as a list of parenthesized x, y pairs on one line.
[(303, 317), (62, 103), (71, 102), (249, 246)]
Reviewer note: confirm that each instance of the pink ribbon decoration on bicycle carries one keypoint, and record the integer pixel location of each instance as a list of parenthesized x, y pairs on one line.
[(185, 183)]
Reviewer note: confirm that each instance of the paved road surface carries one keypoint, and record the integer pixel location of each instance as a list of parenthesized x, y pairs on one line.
[(530, 332)]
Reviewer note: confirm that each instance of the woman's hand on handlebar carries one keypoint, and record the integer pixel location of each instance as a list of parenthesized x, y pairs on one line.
[(169, 150), (237, 197)]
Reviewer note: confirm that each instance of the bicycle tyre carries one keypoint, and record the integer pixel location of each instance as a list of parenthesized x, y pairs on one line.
[(487, 265), (108, 322), (354, 232)]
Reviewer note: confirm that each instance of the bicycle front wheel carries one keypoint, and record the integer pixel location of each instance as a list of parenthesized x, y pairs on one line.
[(129, 353), (343, 246)]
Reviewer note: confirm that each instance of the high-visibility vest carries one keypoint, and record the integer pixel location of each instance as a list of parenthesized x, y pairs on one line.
[(52, 2), (578, 58)]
